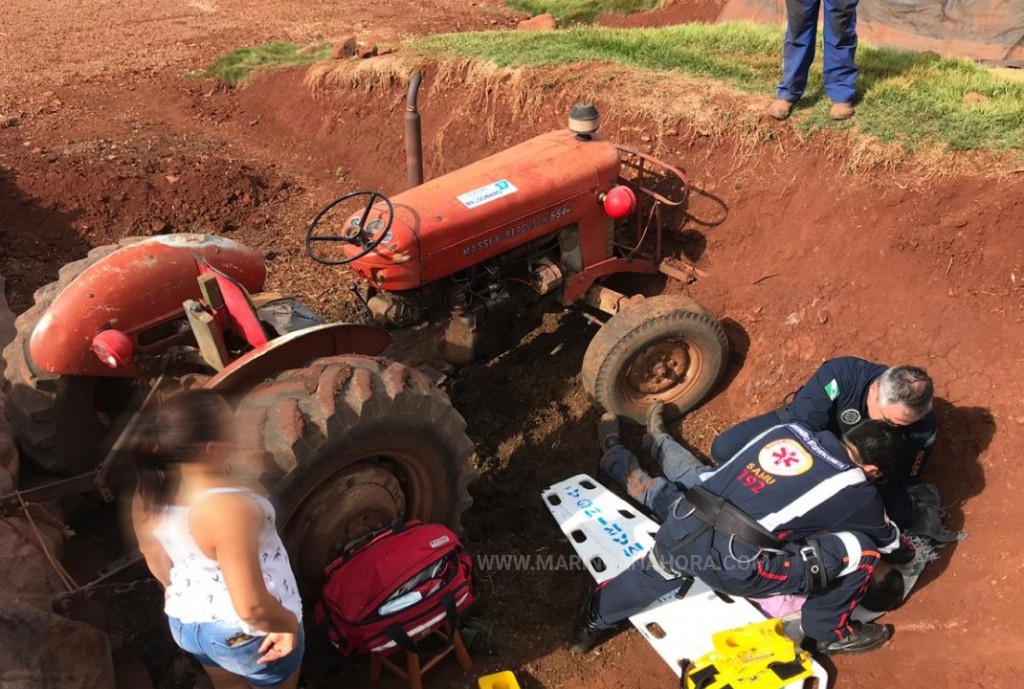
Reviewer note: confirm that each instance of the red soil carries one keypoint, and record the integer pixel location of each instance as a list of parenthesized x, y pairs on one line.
[(809, 263)]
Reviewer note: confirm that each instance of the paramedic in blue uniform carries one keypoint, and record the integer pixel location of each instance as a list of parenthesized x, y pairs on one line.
[(792, 512), (846, 392)]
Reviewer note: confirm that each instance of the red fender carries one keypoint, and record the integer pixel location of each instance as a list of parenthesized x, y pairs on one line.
[(139, 290), (297, 349)]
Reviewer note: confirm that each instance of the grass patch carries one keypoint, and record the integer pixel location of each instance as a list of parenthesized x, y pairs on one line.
[(915, 99), (237, 66), (581, 11)]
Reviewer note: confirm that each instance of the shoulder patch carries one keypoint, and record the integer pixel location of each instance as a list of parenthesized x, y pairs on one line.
[(832, 390), (784, 457), (850, 417)]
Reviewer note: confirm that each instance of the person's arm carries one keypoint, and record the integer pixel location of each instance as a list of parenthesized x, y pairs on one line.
[(815, 400), (920, 445), (870, 519), (232, 524), (154, 554)]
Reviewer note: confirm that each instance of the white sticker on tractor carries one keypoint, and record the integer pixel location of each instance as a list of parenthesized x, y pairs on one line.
[(495, 190)]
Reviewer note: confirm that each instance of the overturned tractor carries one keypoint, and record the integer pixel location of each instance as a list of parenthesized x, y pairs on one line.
[(349, 419)]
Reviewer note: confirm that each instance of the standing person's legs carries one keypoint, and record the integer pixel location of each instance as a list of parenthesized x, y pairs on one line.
[(840, 69), (187, 638), (797, 54), (291, 682), (222, 679), (242, 659)]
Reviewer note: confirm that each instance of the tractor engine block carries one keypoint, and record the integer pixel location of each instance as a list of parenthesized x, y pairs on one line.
[(473, 315)]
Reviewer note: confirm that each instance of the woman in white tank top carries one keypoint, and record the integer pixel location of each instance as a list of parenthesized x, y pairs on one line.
[(231, 597)]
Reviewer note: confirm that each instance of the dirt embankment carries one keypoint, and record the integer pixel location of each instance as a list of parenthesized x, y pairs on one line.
[(805, 262)]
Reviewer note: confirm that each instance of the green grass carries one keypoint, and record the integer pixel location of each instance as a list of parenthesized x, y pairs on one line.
[(581, 11), (238, 65), (916, 99)]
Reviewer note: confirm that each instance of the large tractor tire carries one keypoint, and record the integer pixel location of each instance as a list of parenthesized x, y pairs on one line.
[(665, 348), (58, 421), (352, 444)]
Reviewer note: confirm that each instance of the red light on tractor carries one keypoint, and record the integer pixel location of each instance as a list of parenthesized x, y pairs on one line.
[(113, 348), (619, 202)]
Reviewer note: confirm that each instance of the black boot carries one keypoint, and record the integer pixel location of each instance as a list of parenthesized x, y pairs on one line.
[(586, 635), (865, 637), (608, 431)]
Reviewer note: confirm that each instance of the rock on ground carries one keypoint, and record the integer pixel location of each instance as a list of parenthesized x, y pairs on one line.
[(40, 649), (542, 22)]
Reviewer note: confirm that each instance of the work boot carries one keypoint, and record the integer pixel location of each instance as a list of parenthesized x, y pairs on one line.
[(608, 431), (841, 111), (780, 109), (586, 635), (865, 637), (656, 420)]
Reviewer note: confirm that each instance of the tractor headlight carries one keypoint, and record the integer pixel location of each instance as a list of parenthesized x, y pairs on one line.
[(619, 202), (113, 348)]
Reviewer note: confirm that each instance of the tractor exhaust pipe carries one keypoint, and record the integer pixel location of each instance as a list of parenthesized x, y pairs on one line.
[(413, 134)]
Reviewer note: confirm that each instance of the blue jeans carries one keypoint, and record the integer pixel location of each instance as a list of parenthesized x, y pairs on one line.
[(207, 642), (840, 70), (682, 471)]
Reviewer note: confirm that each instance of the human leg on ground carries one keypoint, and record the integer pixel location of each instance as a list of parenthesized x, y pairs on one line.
[(654, 493)]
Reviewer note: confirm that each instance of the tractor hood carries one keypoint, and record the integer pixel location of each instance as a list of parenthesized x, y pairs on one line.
[(487, 208)]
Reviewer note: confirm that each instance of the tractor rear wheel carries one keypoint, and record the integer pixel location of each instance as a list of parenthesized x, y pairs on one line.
[(665, 348), (58, 421), (352, 444)]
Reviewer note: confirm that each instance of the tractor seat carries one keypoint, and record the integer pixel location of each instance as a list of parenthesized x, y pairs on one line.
[(238, 312)]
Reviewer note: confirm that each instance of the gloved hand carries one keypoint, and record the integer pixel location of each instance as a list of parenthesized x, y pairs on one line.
[(903, 555)]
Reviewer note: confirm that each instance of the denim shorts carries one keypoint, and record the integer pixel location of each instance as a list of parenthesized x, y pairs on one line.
[(207, 642)]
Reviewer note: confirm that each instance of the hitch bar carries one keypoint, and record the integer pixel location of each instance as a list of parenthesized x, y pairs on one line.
[(76, 485)]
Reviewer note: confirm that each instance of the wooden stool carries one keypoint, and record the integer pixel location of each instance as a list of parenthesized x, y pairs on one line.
[(414, 669)]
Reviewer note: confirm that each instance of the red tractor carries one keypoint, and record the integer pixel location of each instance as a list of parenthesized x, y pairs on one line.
[(353, 430)]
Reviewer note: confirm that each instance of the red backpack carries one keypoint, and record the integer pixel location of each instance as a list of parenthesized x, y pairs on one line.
[(395, 587)]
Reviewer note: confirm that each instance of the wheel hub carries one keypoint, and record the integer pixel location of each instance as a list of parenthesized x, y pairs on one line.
[(659, 369), (346, 506)]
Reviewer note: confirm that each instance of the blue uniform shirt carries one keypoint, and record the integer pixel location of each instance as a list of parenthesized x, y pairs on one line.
[(836, 399), (797, 484)]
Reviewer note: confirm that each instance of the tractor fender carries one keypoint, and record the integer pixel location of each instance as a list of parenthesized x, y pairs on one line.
[(296, 349), (138, 289)]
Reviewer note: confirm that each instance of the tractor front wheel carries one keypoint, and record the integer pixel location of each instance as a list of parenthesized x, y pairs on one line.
[(352, 444), (665, 348)]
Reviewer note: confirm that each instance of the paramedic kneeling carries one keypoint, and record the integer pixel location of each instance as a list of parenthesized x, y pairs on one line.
[(845, 392), (794, 512)]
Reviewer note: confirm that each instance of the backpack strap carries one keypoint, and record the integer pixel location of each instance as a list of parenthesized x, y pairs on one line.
[(405, 642)]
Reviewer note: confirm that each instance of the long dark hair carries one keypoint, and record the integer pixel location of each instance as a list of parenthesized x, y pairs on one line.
[(175, 434)]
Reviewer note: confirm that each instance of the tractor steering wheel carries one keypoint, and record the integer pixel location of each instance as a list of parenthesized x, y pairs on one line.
[(354, 231)]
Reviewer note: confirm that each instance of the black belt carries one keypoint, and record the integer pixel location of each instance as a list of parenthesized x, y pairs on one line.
[(722, 516)]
